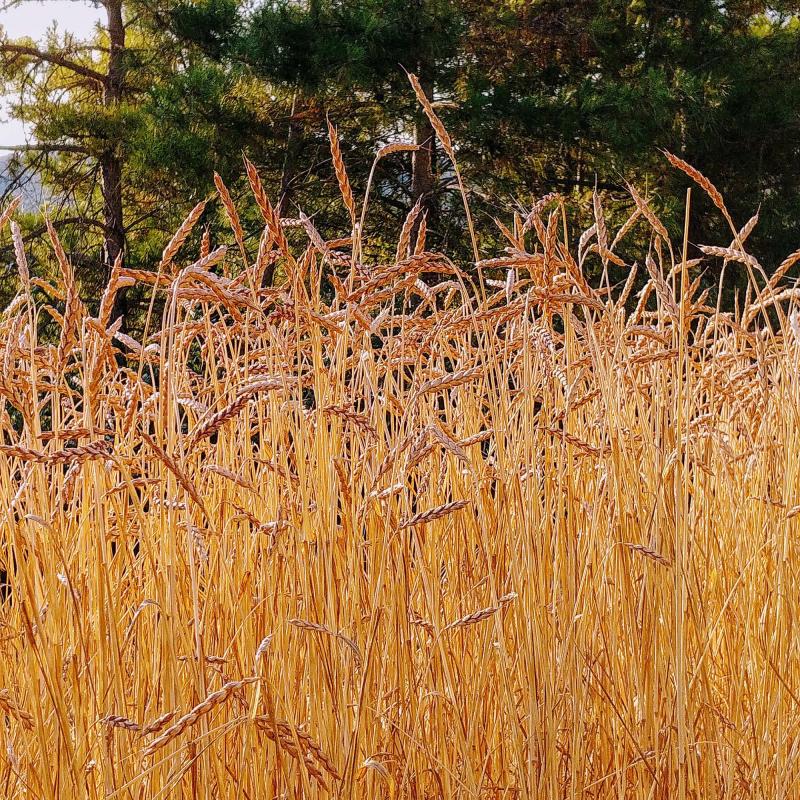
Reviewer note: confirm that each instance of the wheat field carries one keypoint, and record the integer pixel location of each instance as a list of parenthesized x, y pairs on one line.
[(396, 531)]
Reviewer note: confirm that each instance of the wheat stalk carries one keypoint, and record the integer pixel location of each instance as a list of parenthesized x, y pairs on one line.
[(341, 173), (12, 708), (648, 552), (180, 236), (474, 618), (431, 514), (158, 724), (191, 717)]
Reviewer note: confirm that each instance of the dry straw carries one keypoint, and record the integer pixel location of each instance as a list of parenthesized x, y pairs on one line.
[(298, 458)]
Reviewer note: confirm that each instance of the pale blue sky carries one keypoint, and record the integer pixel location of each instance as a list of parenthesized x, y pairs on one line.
[(32, 18)]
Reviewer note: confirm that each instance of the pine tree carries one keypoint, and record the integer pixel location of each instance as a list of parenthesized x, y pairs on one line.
[(79, 143)]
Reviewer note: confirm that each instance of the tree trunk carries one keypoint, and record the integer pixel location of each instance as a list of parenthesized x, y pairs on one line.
[(114, 245), (294, 141), (110, 160), (423, 160), (294, 144)]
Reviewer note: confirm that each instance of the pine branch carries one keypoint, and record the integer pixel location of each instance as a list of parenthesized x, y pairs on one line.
[(6, 48), (46, 148)]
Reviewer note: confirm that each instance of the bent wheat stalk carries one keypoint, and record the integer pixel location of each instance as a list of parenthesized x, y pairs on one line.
[(205, 707)]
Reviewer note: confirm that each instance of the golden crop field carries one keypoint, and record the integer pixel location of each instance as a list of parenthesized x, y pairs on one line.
[(389, 531)]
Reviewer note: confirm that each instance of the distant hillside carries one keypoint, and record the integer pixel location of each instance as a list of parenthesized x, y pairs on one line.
[(33, 193)]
